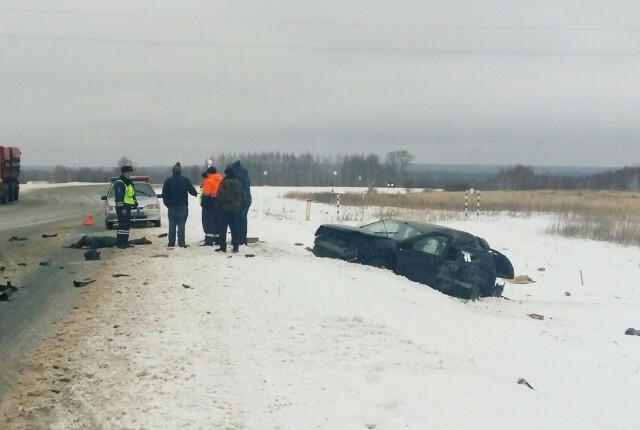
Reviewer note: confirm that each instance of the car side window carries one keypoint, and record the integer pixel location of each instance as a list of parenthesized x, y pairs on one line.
[(434, 245)]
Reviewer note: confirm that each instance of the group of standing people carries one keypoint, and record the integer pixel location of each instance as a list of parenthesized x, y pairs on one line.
[(225, 205)]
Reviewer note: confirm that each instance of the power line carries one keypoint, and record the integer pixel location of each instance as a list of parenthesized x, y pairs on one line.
[(326, 23), (318, 48)]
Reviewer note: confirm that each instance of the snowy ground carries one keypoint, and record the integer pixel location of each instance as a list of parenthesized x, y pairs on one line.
[(284, 340)]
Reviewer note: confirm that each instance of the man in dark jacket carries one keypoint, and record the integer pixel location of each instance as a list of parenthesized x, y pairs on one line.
[(242, 174), (174, 197), (229, 200), (125, 198)]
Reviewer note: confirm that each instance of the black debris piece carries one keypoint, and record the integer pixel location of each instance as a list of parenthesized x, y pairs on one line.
[(142, 241), (16, 238), (632, 332), (44, 235), (92, 254), (22, 264), (79, 284), (45, 263), (524, 382), (7, 290), (2, 268), (249, 255), (160, 255), (119, 275), (187, 286), (163, 235)]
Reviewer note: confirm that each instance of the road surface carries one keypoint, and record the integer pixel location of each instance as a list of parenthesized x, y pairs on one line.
[(42, 268)]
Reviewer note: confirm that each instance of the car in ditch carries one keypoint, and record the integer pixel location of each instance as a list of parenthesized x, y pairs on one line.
[(148, 210), (452, 261)]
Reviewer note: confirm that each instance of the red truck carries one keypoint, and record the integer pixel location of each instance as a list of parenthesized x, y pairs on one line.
[(9, 171)]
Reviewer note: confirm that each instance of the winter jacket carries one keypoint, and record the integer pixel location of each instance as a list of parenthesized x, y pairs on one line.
[(242, 175), (210, 188), (175, 189), (230, 195)]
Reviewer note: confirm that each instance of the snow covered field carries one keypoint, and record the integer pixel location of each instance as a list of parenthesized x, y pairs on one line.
[(275, 338)]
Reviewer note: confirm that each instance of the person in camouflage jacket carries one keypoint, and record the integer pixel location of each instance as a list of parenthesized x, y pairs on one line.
[(230, 195)]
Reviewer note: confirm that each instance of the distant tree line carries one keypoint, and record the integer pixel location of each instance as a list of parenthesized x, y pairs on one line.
[(366, 170)]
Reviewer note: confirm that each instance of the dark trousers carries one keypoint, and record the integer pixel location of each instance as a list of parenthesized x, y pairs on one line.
[(124, 224), (209, 215), (228, 219), (242, 224), (177, 220)]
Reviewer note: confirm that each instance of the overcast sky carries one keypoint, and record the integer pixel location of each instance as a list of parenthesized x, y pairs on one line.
[(545, 82)]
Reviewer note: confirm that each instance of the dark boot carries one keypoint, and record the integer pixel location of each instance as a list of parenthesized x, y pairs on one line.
[(235, 249)]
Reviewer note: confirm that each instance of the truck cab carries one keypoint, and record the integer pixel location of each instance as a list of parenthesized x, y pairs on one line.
[(9, 172)]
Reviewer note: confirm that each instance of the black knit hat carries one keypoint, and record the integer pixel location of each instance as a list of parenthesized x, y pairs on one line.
[(211, 169), (126, 168)]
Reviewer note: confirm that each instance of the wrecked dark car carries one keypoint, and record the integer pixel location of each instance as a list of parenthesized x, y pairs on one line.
[(454, 262)]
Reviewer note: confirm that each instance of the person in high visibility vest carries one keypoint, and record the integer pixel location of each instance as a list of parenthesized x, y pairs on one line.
[(209, 210), (125, 197)]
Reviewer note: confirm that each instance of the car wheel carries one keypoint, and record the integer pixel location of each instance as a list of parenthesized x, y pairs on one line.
[(157, 223), (109, 225), (474, 293)]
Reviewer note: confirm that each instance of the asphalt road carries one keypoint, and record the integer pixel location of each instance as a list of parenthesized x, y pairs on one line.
[(41, 268)]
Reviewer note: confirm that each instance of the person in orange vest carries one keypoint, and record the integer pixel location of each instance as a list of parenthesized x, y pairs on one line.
[(209, 209)]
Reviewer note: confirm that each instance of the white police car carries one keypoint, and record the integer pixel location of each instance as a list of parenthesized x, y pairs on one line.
[(148, 210)]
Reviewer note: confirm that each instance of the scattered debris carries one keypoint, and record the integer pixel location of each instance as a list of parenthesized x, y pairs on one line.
[(536, 316), (160, 255), (45, 263), (524, 382), (15, 238), (119, 275), (79, 284), (253, 240), (7, 290), (22, 264), (187, 286), (566, 293), (299, 244), (541, 269), (630, 331), (163, 235), (2, 268), (92, 254), (521, 279), (249, 255), (44, 235)]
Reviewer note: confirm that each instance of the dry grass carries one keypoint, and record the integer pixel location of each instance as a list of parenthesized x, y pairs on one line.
[(612, 216)]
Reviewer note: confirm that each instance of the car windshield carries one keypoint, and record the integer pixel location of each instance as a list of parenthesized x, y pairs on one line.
[(142, 189), (392, 229)]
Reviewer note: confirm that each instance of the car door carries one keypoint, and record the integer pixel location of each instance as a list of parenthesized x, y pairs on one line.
[(420, 259)]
